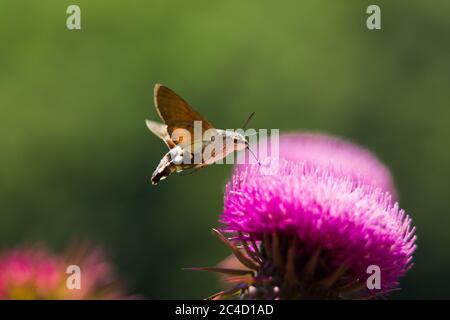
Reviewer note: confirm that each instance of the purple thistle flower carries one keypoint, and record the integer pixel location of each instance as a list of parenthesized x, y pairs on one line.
[(337, 156), (312, 230)]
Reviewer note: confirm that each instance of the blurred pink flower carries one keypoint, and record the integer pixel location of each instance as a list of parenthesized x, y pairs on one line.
[(35, 273)]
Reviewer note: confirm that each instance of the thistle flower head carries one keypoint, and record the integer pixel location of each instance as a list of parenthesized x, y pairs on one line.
[(314, 229), (35, 273), (336, 156)]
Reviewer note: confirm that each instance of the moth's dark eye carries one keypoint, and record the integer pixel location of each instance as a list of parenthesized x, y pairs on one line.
[(235, 140), (213, 138)]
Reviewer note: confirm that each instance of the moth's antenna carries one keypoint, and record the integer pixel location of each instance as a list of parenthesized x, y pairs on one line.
[(248, 148), (248, 120)]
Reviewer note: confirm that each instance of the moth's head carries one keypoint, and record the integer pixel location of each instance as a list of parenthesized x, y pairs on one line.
[(238, 140)]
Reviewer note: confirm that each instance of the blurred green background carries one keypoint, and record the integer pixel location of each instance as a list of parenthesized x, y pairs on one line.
[(76, 156)]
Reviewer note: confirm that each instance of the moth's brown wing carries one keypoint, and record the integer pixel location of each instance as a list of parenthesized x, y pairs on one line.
[(177, 114), (160, 130)]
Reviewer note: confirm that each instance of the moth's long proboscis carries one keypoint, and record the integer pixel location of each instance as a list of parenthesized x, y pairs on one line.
[(259, 163)]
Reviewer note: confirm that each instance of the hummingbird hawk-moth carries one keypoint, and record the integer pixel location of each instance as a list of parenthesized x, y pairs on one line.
[(188, 149)]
